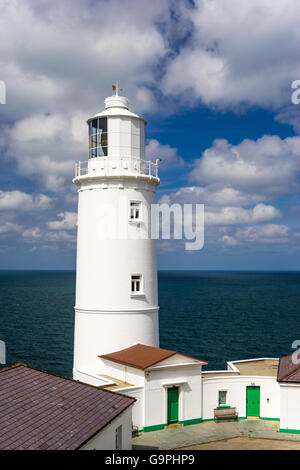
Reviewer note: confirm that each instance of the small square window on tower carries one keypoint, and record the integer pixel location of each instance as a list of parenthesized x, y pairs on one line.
[(136, 284), (135, 211)]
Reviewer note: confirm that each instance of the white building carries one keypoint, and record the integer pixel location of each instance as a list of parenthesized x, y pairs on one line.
[(116, 313), (250, 386), (289, 382), (166, 385)]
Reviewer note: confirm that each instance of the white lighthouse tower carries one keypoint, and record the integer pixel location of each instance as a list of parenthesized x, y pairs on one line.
[(116, 279)]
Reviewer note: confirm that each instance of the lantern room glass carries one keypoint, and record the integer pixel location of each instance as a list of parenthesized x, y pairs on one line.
[(98, 141)]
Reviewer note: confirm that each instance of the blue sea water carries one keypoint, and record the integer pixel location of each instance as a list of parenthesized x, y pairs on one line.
[(217, 316)]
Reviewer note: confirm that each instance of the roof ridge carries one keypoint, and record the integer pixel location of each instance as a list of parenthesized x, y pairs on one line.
[(18, 364)]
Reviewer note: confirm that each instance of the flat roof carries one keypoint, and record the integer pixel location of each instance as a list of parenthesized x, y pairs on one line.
[(118, 383), (265, 367), (43, 411)]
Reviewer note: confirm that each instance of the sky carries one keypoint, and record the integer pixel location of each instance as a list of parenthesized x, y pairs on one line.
[(212, 78)]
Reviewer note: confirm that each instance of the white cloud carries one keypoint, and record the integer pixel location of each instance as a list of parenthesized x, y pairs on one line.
[(18, 200), (229, 240), (47, 147), (268, 233), (60, 236), (238, 53), (211, 196), (67, 221), (169, 155), (238, 215), (32, 234), (7, 227), (73, 48), (267, 167)]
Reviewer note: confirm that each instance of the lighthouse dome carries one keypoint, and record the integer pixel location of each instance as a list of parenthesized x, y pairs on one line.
[(116, 101), (116, 105)]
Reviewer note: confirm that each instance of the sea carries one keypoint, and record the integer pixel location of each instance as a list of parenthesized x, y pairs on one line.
[(216, 316)]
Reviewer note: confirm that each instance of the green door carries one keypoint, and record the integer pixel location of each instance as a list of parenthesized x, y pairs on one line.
[(173, 405), (253, 401)]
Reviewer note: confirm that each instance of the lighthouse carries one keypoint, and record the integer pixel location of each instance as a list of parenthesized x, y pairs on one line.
[(116, 274)]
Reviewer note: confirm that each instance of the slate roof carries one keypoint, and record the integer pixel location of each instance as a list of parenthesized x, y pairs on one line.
[(288, 371), (43, 411), (141, 356)]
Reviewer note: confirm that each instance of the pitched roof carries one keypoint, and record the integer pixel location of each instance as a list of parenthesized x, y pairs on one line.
[(41, 410), (288, 370), (141, 356)]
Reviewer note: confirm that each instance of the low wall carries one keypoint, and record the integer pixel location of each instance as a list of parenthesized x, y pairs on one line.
[(236, 393)]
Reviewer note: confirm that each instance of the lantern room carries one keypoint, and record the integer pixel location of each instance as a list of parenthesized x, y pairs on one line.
[(117, 132)]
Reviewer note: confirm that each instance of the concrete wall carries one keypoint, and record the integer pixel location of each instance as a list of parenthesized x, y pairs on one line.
[(289, 406), (236, 387), (106, 439), (156, 390)]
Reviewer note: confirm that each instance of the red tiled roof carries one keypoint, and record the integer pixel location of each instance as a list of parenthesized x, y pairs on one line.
[(40, 410), (288, 370), (141, 356)]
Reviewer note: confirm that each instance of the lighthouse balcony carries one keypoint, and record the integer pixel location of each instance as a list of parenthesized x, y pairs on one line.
[(118, 167)]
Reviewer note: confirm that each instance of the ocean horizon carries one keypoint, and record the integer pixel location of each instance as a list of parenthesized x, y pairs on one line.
[(217, 316)]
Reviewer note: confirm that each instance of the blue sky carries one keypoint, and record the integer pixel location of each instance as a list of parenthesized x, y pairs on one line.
[(212, 78)]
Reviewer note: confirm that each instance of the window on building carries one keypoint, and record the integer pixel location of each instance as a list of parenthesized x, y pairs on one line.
[(98, 138), (222, 397), (119, 438), (135, 210), (136, 284)]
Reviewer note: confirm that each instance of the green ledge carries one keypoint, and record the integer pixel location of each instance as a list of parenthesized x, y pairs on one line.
[(290, 431), (270, 419), (188, 422), (157, 427)]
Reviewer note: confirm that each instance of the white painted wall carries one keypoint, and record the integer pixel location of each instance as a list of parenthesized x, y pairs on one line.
[(236, 387), (106, 439), (138, 407), (289, 406), (156, 393)]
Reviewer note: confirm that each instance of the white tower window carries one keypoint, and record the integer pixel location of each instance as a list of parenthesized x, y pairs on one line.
[(136, 284), (135, 211)]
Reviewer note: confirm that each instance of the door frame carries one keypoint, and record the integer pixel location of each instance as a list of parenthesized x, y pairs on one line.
[(248, 388)]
